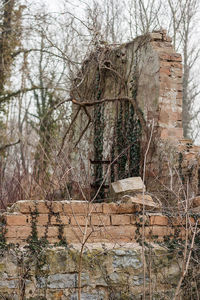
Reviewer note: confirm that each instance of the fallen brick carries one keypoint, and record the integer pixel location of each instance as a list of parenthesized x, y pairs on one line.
[(127, 186)]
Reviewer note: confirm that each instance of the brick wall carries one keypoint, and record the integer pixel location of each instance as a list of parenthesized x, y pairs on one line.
[(77, 221)]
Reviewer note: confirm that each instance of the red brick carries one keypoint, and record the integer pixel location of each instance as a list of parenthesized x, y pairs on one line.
[(77, 208), (52, 231), (133, 219), (56, 206), (172, 132), (138, 219), (120, 219), (177, 65), (164, 116), (16, 220), (80, 220), (42, 219), (100, 220), (96, 207), (158, 220), (181, 221), (159, 231), (21, 232), (176, 57), (173, 57), (168, 84), (75, 234), (124, 233), (164, 56), (113, 208), (31, 205), (165, 71), (60, 219), (24, 206)]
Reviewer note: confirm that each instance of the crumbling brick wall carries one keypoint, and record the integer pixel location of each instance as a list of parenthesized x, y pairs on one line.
[(121, 95), (73, 222)]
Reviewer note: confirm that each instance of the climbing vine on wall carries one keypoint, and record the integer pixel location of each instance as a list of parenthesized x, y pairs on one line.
[(98, 139), (128, 132)]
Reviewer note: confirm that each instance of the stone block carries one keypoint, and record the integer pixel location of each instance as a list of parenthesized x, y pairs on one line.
[(176, 57), (50, 231), (120, 219), (177, 65), (76, 234), (42, 206), (42, 219), (156, 36), (165, 71), (125, 233), (114, 208), (81, 208), (158, 220), (16, 220), (171, 133), (181, 221), (21, 232), (160, 231), (80, 220), (100, 220), (60, 219), (127, 186), (164, 56), (139, 200)]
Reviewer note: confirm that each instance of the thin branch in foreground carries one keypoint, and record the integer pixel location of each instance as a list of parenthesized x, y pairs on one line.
[(9, 145)]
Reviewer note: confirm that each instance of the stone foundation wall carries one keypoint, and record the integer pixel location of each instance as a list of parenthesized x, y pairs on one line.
[(108, 273)]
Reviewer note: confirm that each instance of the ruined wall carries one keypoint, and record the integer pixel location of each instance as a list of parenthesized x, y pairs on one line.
[(135, 85), (132, 85), (44, 261), (65, 221)]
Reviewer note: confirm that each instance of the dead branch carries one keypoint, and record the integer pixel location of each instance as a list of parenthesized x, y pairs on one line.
[(9, 145)]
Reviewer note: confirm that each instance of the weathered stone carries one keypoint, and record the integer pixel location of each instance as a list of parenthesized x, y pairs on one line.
[(87, 296), (9, 283), (127, 259), (60, 261), (127, 186), (120, 219), (58, 281), (105, 269), (139, 200), (100, 220)]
